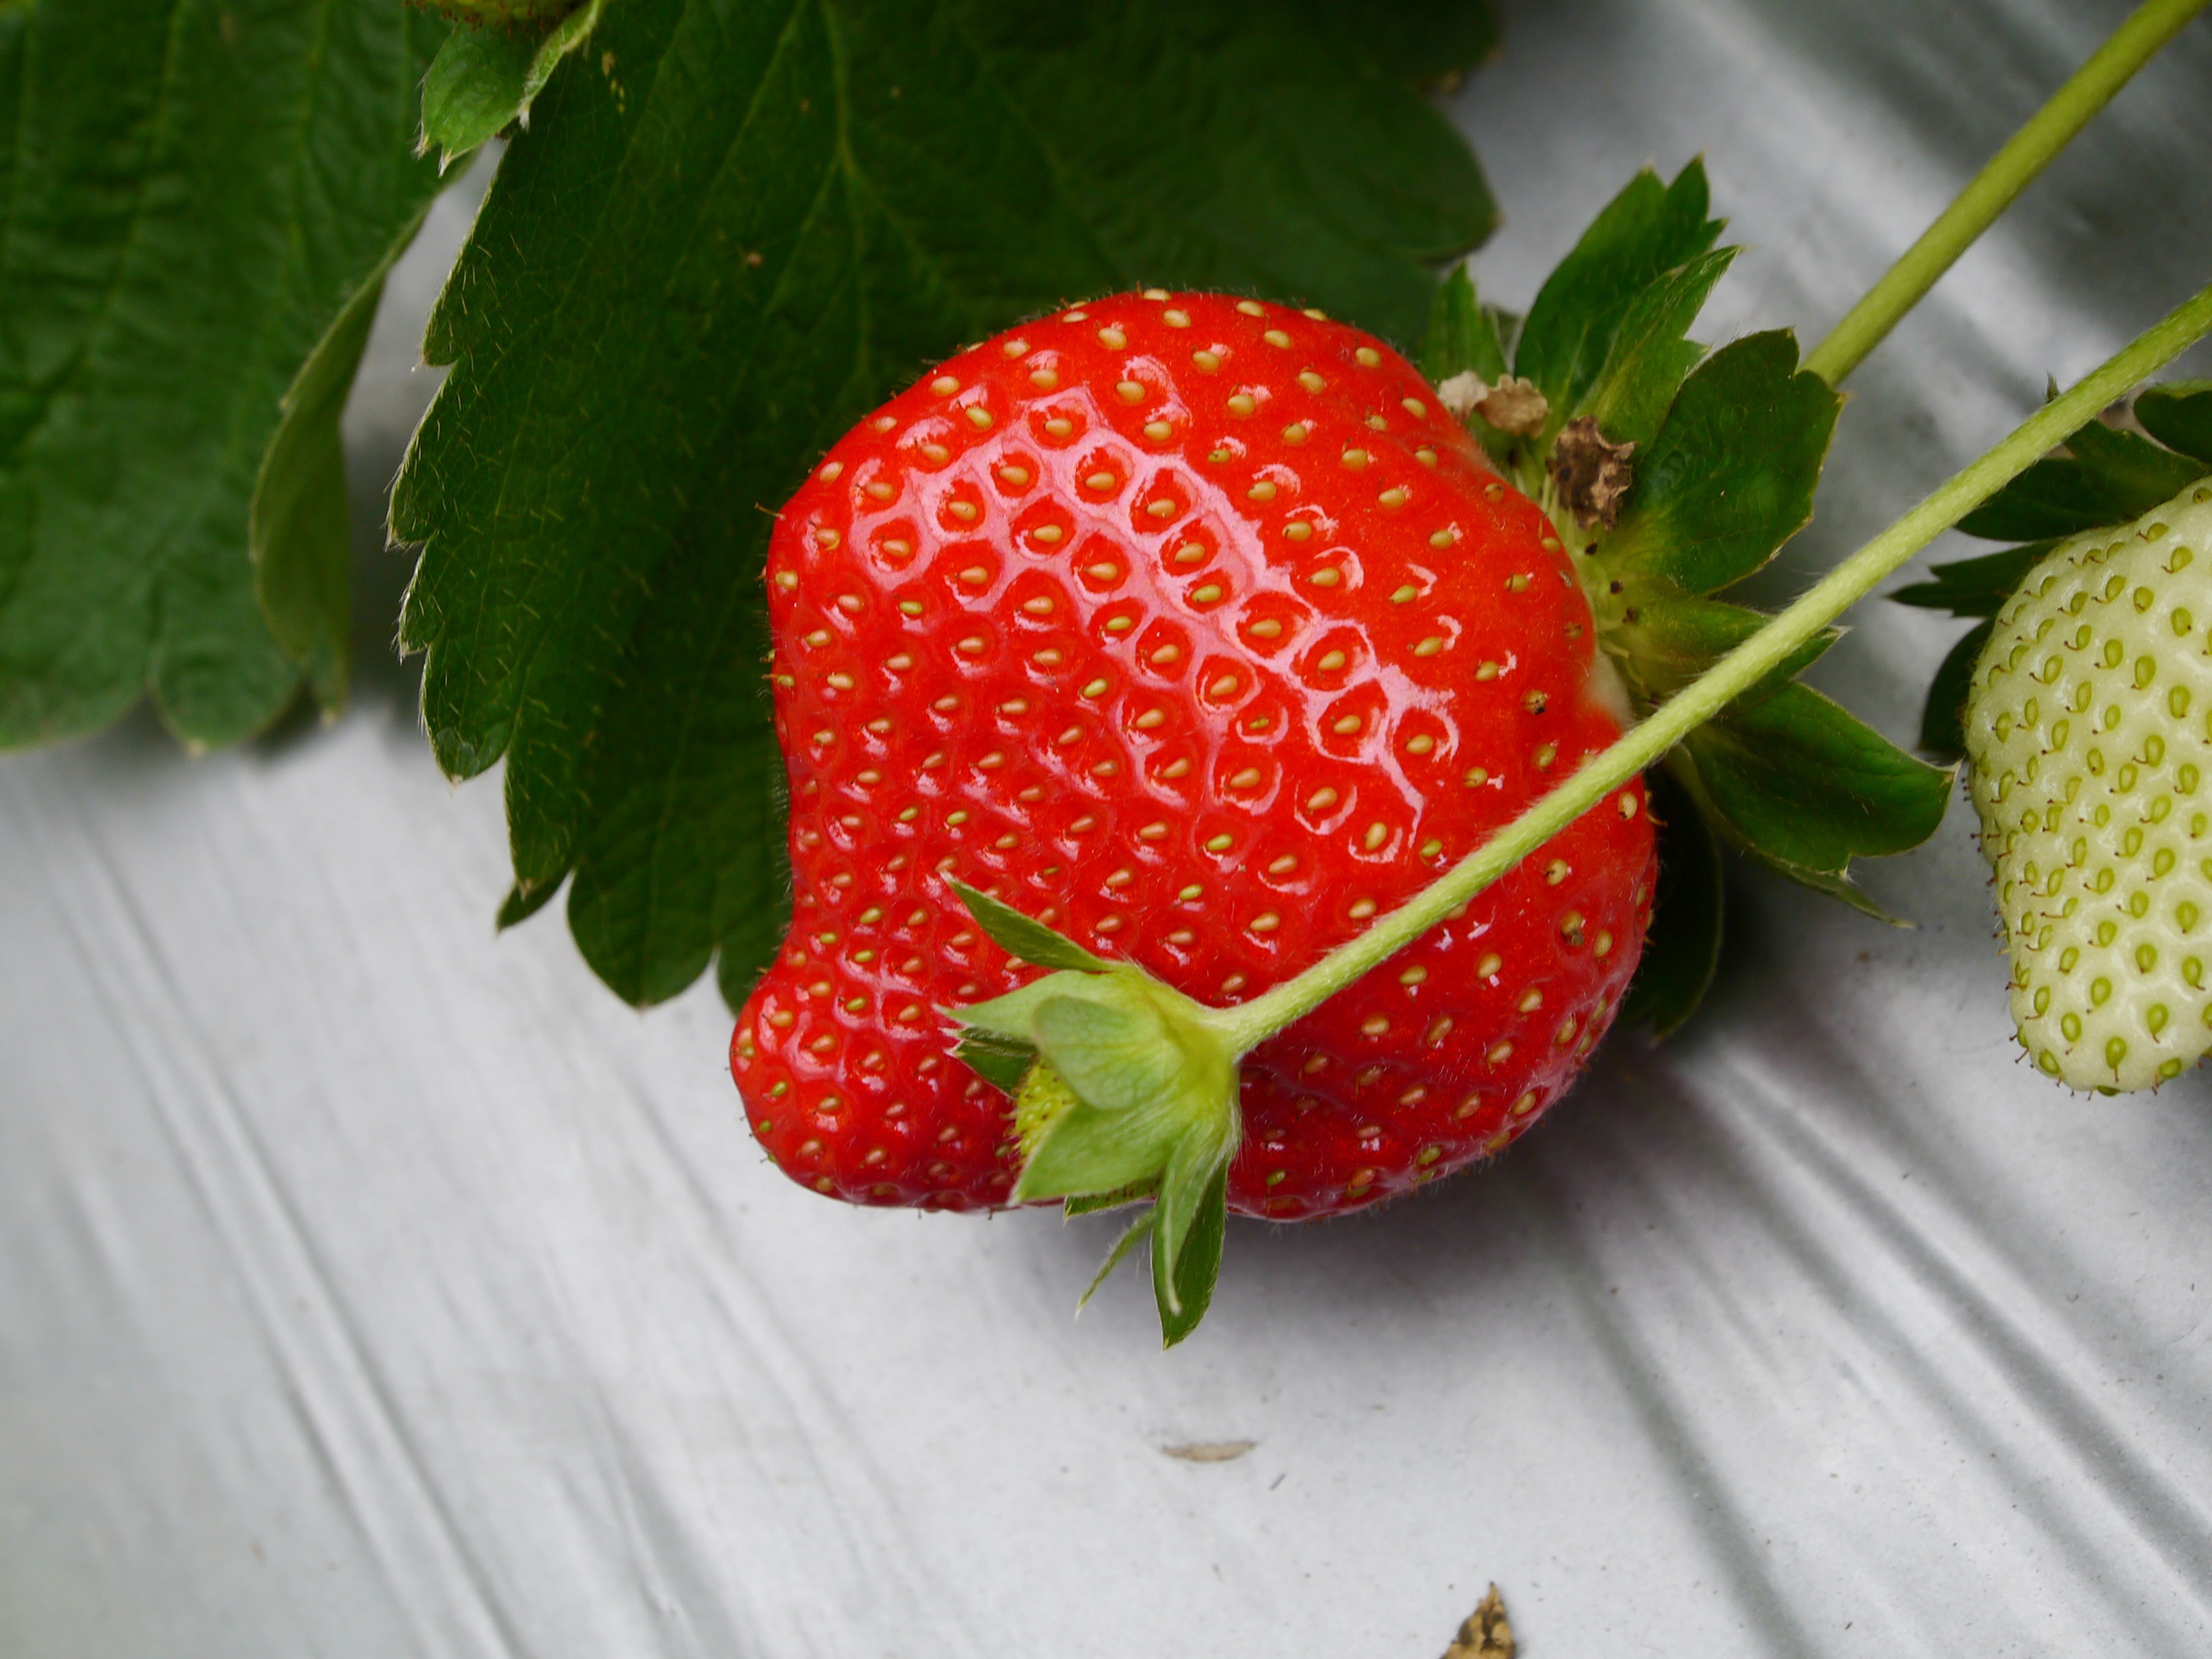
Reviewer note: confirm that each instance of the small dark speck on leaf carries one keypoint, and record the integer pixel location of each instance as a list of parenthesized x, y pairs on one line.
[(1210, 1451)]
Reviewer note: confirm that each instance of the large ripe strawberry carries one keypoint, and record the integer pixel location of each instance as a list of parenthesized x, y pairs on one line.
[(1196, 629)]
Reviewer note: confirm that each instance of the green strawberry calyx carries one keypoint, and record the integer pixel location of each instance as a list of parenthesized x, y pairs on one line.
[(1672, 473), (1098, 1053), (1124, 1089)]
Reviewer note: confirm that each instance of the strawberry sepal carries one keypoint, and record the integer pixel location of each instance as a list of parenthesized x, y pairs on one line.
[(1127, 1089)]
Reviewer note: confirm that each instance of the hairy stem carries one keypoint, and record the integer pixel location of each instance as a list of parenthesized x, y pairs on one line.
[(2009, 171), (1751, 662)]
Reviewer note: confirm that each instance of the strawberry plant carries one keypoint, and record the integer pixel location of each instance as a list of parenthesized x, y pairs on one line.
[(1339, 737)]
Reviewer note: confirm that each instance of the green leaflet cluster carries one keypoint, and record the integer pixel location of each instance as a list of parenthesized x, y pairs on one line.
[(1672, 475), (2106, 476)]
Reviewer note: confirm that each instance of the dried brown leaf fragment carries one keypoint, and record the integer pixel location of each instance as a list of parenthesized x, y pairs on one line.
[(1487, 1633), (1591, 473), (1513, 405)]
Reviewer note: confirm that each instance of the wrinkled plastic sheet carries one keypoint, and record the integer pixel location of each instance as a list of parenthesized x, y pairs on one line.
[(372, 1286)]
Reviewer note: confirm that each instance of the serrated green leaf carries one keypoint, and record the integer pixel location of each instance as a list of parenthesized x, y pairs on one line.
[(1646, 230), (1797, 779), (1682, 949), (2107, 477), (1833, 884), (2055, 497), (999, 1061), (1462, 333), (298, 529), (1942, 721), (1977, 587), (193, 197), (485, 80), (1189, 1219), (2179, 416), (724, 236), (1730, 475), (1024, 937), (518, 907), (1650, 357)]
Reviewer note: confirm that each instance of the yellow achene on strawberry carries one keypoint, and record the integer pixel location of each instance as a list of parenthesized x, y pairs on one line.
[(1196, 630)]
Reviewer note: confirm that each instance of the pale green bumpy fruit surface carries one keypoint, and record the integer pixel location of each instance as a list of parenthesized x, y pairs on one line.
[(2087, 727)]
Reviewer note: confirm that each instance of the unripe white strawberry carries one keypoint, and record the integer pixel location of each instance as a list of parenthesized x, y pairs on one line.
[(2087, 728)]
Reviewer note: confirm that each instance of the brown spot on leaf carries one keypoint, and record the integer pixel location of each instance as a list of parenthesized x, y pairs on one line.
[(1591, 473)]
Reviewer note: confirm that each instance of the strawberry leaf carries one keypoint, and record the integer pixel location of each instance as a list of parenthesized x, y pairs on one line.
[(194, 199), (725, 235), (1795, 778), (1731, 474), (1463, 335), (1977, 587), (1673, 638), (2055, 497), (297, 526), (2179, 416), (2107, 477), (1683, 947), (2139, 473), (483, 80), (1024, 936), (1646, 231), (1835, 885), (1650, 355), (1942, 721)]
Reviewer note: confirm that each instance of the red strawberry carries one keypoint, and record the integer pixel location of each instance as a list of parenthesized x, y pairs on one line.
[(1196, 630)]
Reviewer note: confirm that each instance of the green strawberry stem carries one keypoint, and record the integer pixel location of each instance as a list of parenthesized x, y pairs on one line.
[(2009, 173), (1247, 1025)]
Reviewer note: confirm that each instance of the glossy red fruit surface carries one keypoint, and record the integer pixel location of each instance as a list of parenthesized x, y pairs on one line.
[(1195, 628)]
